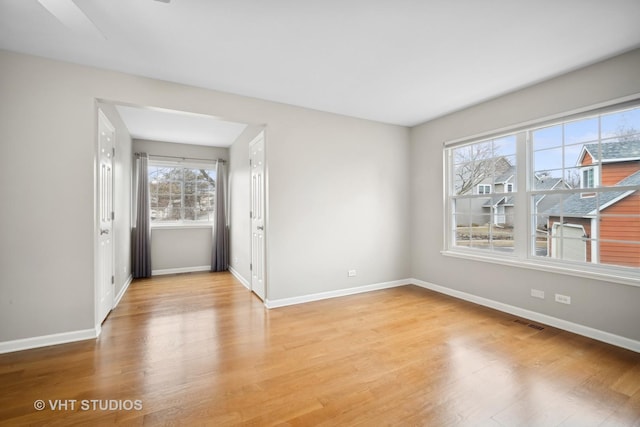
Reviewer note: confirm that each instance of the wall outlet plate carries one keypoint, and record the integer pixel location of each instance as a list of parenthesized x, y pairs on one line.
[(351, 273), (537, 293), (563, 299)]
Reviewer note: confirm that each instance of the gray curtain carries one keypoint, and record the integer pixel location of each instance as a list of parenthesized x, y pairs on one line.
[(141, 231), (220, 249)]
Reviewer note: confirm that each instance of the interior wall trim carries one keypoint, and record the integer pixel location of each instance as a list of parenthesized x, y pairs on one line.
[(123, 291), (47, 340), (180, 270), (565, 325), (334, 294), (241, 279)]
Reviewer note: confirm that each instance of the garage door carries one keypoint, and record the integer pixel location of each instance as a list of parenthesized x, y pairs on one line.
[(567, 242)]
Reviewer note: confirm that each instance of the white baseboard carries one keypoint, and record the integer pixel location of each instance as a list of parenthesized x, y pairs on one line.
[(241, 279), (122, 291), (47, 340), (576, 328), (333, 294), (180, 270)]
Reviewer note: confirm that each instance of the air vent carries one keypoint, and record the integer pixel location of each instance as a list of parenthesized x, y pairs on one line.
[(531, 325)]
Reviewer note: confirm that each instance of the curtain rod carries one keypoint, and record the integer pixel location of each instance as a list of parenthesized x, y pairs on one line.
[(186, 158)]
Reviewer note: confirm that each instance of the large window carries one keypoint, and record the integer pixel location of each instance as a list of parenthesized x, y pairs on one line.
[(181, 193), (565, 194)]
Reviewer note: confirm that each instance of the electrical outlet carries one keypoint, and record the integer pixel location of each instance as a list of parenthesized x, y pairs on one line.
[(563, 299), (351, 273), (536, 293)]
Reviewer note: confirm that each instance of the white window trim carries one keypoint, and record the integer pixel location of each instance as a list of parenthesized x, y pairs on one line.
[(596, 175), (523, 232), (180, 225)]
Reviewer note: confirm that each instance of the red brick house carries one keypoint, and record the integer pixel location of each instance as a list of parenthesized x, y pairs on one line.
[(614, 239)]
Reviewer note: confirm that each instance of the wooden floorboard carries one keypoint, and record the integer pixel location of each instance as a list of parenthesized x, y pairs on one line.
[(199, 349)]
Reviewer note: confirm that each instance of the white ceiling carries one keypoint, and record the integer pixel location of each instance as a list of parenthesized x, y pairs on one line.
[(395, 61), (175, 126)]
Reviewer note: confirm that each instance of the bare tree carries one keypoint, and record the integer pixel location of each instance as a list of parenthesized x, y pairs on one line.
[(627, 134), (473, 164)]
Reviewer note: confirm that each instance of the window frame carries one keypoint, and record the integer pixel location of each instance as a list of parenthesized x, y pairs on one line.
[(485, 186), (181, 164), (524, 219)]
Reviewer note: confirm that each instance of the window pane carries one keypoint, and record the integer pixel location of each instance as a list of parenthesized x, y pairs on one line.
[(548, 180), (548, 137), (181, 194), (622, 125), (572, 155), (584, 130), (549, 159)]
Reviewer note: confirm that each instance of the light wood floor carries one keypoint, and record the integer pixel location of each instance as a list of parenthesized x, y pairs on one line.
[(199, 349)]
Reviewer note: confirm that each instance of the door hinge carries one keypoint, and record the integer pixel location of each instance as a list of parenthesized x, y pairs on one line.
[(250, 214), (113, 215), (251, 266), (114, 151), (113, 280)]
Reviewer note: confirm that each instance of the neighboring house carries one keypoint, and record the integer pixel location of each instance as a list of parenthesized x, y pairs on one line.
[(498, 210), (542, 202), (584, 237)]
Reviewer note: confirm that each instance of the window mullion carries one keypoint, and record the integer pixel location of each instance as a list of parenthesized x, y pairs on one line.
[(521, 215), (182, 198)]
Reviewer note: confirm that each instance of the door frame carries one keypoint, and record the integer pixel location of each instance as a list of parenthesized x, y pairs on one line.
[(262, 134), (96, 222)]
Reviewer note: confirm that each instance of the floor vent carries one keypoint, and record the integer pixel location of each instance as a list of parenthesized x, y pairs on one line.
[(531, 325)]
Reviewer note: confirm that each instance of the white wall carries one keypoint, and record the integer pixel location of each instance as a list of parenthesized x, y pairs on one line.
[(338, 187), (597, 304), (178, 249)]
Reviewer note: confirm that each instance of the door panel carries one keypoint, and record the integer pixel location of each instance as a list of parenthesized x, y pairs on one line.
[(105, 268), (258, 256)]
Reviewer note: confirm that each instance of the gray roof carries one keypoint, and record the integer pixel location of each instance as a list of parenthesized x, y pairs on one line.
[(545, 184), (576, 206), (614, 150), (506, 175), (541, 184)]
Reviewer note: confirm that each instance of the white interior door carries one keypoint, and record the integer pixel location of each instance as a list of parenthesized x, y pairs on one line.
[(258, 256), (105, 257)]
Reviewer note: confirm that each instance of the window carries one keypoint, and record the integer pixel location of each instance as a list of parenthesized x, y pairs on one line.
[(484, 188), (552, 223), (181, 193), (482, 221), (588, 180)]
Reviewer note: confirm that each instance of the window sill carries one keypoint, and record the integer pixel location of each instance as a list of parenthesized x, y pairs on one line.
[(180, 226), (630, 279)]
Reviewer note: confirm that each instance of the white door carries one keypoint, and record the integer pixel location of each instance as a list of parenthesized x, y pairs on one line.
[(256, 161), (105, 265), (499, 217)]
